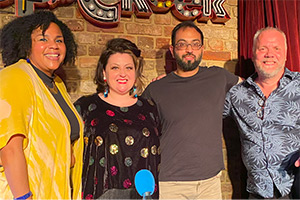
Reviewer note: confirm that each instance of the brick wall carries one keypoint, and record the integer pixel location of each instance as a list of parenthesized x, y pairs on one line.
[(153, 37)]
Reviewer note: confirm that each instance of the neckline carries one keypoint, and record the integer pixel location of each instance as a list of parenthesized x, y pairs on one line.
[(116, 106), (188, 77), (47, 80)]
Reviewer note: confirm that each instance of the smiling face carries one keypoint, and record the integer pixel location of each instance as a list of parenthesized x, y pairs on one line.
[(120, 73), (187, 59), (270, 54), (48, 51)]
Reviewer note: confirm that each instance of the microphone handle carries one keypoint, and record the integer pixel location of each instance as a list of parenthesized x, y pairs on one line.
[(147, 196)]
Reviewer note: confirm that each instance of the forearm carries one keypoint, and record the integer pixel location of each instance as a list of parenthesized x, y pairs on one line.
[(15, 167)]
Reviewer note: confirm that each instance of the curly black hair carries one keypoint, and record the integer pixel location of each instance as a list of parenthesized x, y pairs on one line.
[(15, 38)]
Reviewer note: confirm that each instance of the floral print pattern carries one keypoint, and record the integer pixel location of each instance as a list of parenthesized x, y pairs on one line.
[(269, 131)]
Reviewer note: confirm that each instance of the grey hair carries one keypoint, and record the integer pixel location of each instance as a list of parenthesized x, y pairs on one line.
[(257, 34)]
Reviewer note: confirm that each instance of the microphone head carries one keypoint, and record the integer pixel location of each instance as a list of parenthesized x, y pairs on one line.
[(144, 182)]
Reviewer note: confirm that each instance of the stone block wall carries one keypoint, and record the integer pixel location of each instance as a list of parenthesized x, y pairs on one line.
[(153, 37)]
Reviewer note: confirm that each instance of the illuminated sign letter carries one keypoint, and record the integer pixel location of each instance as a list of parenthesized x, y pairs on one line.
[(108, 12), (139, 7), (26, 7), (97, 12), (5, 3), (202, 10)]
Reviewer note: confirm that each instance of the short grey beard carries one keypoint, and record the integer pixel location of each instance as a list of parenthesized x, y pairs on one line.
[(266, 75)]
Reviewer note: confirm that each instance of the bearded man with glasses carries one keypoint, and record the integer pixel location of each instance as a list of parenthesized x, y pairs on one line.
[(190, 102)]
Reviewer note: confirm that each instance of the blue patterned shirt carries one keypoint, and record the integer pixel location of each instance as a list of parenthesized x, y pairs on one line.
[(269, 131)]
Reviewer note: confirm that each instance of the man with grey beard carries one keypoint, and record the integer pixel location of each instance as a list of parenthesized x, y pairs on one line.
[(190, 103), (266, 108)]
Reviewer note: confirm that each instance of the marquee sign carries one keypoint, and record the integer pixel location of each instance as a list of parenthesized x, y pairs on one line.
[(109, 12)]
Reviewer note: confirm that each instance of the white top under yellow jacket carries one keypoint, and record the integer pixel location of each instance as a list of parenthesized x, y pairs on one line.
[(28, 108)]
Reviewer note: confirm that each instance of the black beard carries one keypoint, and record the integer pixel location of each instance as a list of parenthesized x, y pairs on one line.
[(189, 66)]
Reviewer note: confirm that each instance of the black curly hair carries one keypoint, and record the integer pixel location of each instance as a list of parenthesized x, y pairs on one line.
[(15, 38)]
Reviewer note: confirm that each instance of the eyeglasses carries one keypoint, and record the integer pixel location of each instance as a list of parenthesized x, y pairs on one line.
[(184, 45), (260, 112)]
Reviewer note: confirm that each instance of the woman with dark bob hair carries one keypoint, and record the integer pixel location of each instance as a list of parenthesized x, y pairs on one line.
[(121, 128), (41, 134)]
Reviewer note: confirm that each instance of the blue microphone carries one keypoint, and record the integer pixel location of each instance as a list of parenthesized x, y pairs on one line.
[(144, 183)]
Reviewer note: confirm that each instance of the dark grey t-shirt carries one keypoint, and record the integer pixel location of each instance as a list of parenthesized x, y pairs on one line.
[(190, 110)]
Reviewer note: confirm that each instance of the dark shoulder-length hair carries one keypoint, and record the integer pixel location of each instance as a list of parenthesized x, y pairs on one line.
[(119, 45), (15, 38)]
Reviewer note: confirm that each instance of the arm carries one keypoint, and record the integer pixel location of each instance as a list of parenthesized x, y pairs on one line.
[(15, 167), (240, 80), (297, 163), (158, 77), (227, 106), (294, 161), (146, 94), (15, 126)]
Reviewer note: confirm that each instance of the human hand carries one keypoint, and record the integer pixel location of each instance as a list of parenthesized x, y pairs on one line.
[(30, 197), (297, 163), (158, 77)]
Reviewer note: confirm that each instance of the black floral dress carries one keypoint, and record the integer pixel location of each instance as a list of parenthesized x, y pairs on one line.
[(118, 142)]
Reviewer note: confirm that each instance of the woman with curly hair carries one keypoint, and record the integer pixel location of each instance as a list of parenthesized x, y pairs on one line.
[(41, 141)]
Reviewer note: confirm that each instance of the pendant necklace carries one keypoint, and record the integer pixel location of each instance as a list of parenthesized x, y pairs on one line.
[(54, 89)]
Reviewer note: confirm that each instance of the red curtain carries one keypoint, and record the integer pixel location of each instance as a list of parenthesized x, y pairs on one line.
[(256, 14)]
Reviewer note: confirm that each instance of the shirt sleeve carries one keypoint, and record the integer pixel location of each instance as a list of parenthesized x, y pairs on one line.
[(146, 94), (231, 79), (16, 104), (227, 106)]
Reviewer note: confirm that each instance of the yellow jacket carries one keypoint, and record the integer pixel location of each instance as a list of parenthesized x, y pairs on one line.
[(28, 108)]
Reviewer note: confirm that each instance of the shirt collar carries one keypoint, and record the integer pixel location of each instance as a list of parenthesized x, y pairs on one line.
[(287, 74), (45, 78)]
